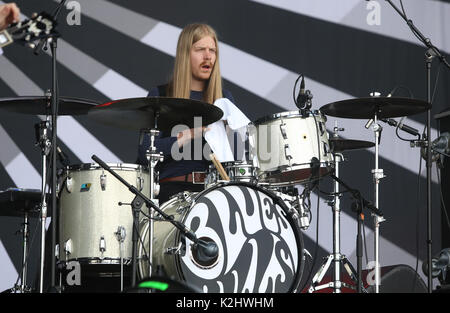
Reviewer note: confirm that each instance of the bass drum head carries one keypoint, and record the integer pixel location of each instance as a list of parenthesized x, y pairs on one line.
[(260, 246)]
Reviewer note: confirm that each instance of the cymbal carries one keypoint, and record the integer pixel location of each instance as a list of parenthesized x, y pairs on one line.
[(42, 105), (15, 202), (139, 113), (340, 144), (365, 108)]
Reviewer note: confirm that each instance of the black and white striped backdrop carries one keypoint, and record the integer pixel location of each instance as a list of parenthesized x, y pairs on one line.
[(119, 49)]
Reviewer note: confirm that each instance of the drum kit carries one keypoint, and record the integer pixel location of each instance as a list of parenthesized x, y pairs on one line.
[(240, 234)]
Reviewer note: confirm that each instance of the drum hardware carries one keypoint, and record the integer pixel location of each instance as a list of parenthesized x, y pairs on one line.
[(375, 108), (208, 248), (121, 235), (378, 174), (152, 157), (102, 247), (336, 257), (103, 181), (358, 205), (175, 250), (45, 145)]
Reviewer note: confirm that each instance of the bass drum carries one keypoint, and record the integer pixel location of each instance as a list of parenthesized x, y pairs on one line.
[(260, 245)]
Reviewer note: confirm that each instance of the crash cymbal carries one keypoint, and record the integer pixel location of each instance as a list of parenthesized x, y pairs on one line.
[(42, 105), (340, 144), (138, 113), (365, 108)]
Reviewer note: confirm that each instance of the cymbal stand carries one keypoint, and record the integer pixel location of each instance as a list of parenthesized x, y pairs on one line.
[(153, 157), (336, 257), (378, 174), (45, 146), (25, 235)]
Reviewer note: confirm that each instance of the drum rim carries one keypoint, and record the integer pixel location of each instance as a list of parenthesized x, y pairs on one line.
[(265, 175), (113, 165), (286, 114), (298, 235)]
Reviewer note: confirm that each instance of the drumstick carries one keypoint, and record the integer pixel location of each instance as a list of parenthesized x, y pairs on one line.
[(219, 167)]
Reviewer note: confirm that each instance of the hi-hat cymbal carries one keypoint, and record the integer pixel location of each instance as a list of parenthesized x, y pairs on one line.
[(139, 113), (341, 145), (40, 105), (365, 108), (16, 202)]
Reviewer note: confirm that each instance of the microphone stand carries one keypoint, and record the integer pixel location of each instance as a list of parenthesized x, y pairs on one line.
[(138, 201), (430, 54)]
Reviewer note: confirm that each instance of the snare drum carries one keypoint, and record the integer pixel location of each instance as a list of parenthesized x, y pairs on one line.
[(90, 214), (237, 171), (260, 246), (290, 148)]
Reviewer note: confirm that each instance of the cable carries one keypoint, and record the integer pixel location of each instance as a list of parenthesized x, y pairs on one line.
[(365, 242)]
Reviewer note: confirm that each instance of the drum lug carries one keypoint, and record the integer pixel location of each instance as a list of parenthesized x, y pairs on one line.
[(68, 247), (283, 130), (103, 181), (69, 184), (287, 152), (121, 234), (102, 246), (140, 183)]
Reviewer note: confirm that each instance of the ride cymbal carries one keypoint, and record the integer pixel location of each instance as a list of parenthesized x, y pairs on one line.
[(384, 107)]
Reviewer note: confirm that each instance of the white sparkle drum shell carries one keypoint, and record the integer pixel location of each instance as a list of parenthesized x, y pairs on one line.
[(286, 148), (90, 214), (260, 246)]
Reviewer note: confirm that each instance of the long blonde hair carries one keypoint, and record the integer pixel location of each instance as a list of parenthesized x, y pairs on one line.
[(180, 85)]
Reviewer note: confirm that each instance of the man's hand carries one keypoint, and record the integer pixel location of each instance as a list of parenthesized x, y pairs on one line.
[(9, 13)]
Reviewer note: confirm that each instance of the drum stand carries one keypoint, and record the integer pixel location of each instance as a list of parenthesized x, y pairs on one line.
[(153, 157), (45, 145), (377, 176), (337, 258)]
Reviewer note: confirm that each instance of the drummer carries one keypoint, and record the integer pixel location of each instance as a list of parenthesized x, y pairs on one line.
[(9, 13), (196, 76)]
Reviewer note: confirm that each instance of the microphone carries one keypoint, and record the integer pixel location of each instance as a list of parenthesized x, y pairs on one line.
[(441, 144), (439, 265), (205, 252), (303, 97), (410, 130)]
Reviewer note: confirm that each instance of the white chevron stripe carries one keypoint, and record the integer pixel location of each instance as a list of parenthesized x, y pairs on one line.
[(430, 17), (8, 271)]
